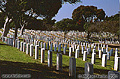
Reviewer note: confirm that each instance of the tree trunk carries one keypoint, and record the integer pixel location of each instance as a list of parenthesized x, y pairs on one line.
[(119, 38), (22, 29), (64, 36), (88, 37), (16, 29), (6, 27), (15, 37)]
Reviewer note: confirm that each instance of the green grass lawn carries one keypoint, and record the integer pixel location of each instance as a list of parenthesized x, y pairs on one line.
[(14, 58), (0, 34)]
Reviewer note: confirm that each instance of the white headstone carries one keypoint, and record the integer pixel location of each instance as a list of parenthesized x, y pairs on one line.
[(85, 56), (117, 64), (31, 50), (49, 58), (59, 62), (28, 49), (42, 55), (82, 49), (18, 45), (36, 51), (70, 51), (21, 48), (93, 58), (77, 53), (72, 67), (24, 47), (104, 60)]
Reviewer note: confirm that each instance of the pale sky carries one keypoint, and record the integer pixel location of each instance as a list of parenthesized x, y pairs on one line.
[(111, 7)]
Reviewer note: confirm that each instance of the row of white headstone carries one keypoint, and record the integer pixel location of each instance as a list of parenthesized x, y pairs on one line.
[(72, 49), (51, 33), (59, 33), (110, 42), (104, 54), (22, 47)]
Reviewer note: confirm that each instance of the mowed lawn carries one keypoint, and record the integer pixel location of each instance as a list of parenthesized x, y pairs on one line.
[(13, 61)]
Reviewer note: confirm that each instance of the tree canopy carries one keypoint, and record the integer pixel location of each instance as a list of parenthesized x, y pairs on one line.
[(115, 17), (65, 25), (110, 24), (1, 19), (81, 17), (85, 14), (15, 9), (88, 13)]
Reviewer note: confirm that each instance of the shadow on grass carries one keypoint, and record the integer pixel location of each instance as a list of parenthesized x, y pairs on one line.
[(81, 71), (37, 71), (4, 44)]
